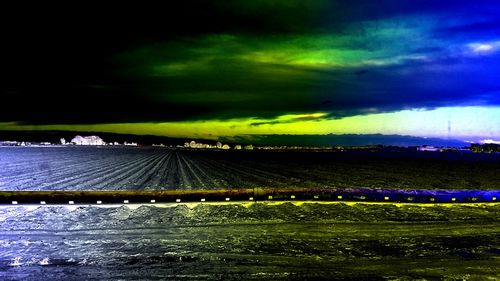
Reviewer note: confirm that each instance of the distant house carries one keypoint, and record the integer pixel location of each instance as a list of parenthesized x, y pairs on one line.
[(225, 146), (88, 140), (192, 144), (428, 148), (249, 147), (9, 143), (237, 147)]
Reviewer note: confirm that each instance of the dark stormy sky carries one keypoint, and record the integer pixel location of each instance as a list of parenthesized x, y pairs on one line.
[(229, 68)]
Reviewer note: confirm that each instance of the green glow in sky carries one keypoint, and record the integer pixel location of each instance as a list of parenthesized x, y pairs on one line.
[(290, 67), (467, 121)]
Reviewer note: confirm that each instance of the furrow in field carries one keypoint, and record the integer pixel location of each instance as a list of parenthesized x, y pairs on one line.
[(68, 175), (296, 173), (81, 176), (227, 179), (36, 180), (122, 178), (206, 175), (142, 178), (184, 181), (46, 178), (170, 176), (198, 182), (235, 177), (81, 179), (209, 171), (34, 169), (161, 172), (265, 178)]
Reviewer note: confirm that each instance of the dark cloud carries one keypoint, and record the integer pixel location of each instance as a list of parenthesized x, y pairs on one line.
[(271, 90), (213, 59), (345, 139)]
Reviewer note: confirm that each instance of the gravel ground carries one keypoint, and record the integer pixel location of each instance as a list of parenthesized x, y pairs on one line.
[(253, 241)]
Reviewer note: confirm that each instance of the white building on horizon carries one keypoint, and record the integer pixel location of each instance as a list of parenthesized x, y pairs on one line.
[(88, 140)]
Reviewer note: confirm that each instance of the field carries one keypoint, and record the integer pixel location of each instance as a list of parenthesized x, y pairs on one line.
[(105, 168), (299, 240), (255, 241)]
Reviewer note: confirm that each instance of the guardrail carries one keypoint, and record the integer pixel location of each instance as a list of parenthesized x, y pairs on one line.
[(254, 194)]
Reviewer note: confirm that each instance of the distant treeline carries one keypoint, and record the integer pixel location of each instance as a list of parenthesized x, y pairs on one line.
[(54, 137), (487, 147)]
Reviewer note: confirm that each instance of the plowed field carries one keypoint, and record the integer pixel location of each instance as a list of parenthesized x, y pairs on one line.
[(105, 168)]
